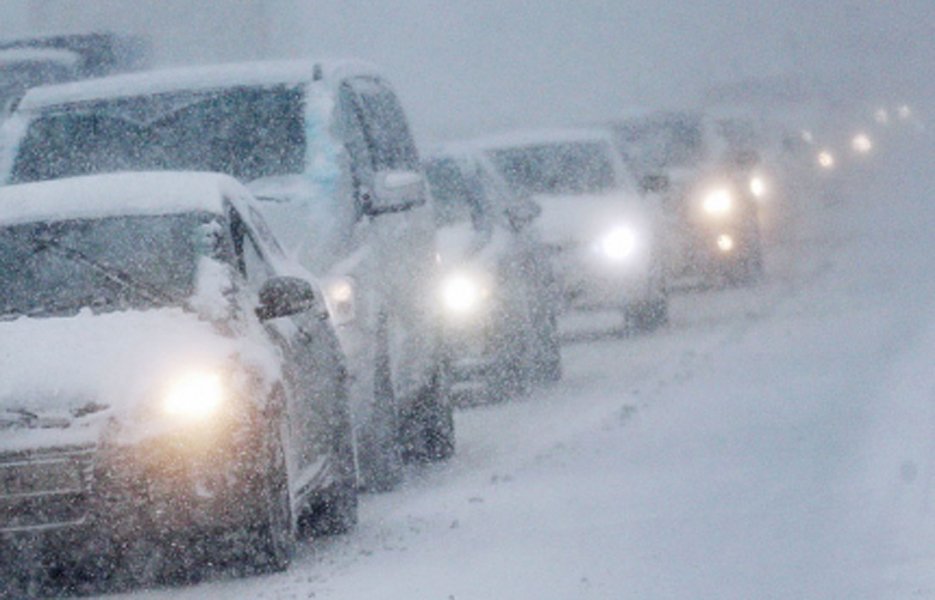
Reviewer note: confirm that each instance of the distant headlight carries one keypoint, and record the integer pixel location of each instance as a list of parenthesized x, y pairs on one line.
[(718, 202), (462, 293), (882, 116), (758, 186), (825, 159), (618, 243), (194, 396), (861, 143), (904, 111)]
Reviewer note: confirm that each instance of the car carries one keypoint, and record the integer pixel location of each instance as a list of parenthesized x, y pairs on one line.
[(327, 149), (607, 241), (30, 62), (498, 290), (707, 172), (170, 381)]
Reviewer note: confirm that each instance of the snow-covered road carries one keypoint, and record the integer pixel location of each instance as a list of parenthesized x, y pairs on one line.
[(774, 442)]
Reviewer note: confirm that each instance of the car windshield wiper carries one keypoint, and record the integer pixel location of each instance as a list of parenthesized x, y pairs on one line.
[(148, 292)]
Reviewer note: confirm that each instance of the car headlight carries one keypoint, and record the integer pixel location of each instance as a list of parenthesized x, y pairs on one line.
[(861, 143), (825, 159), (195, 396), (758, 186), (618, 244), (718, 202), (462, 293)]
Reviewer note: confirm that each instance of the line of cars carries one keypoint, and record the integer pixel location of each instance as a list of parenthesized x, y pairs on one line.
[(233, 296)]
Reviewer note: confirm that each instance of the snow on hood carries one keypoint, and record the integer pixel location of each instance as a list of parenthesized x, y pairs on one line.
[(569, 218), (61, 368)]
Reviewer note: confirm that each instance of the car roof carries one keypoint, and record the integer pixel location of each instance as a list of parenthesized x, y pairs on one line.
[(118, 194), (537, 137), (201, 78)]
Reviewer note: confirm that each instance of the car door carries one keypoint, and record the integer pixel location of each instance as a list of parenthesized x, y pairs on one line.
[(310, 372), (402, 246)]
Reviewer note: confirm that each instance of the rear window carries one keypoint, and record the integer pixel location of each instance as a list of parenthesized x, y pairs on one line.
[(560, 168), (246, 132)]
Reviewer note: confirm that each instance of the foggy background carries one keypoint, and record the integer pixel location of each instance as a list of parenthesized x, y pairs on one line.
[(466, 67)]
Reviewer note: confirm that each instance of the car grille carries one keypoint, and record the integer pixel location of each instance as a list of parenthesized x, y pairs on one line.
[(45, 490)]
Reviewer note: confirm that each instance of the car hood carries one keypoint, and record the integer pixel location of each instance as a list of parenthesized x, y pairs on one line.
[(64, 373), (575, 219)]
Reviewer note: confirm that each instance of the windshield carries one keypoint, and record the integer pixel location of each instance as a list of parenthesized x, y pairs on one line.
[(247, 132), (560, 168), (657, 144), (108, 264), (457, 198)]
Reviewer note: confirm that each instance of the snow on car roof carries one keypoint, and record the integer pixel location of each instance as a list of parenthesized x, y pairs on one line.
[(95, 196), (202, 78), (14, 56), (541, 137)]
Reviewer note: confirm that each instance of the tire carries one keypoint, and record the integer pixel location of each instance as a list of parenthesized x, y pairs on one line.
[(335, 509), (274, 529), (547, 352), (428, 428), (379, 452)]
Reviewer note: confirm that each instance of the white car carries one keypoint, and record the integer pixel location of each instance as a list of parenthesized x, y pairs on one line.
[(326, 147), (171, 385), (607, 240), (497, 290)]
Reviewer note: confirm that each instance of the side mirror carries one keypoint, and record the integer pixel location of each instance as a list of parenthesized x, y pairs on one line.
[(522, 212), (285, 296), (395, 191), (655, 184)]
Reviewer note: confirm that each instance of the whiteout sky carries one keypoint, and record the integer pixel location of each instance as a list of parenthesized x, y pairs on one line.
[(469, 66)]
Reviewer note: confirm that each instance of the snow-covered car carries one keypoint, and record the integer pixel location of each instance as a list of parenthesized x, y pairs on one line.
[(168, 377), (707, 173), (497, 290), (607, 240), (326, 147), (29, 62)]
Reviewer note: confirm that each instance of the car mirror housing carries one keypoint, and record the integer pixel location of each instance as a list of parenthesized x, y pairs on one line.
[(655, 184), (285, 296), (395, 191)]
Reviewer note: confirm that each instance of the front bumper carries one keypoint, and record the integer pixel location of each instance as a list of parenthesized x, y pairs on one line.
[(101, 496), (588, 281)]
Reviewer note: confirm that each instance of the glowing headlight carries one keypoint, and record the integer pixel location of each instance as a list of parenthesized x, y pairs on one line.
[(757, 186), (725, 243), (195, 396), (861, 143), (904, 111), (808, 137), (826, 159), (462, 293), (618, 244), (340, 291), (718, 202), (882, 116)]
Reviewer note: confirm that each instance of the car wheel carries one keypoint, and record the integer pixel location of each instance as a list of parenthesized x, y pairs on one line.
[(428, 427), (274, 528), (335, 510), (379, 453)]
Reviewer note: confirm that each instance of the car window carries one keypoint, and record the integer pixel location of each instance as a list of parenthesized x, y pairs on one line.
[(385, 127), (247, 132), (557, 168), (250, 261), (457, 196)]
